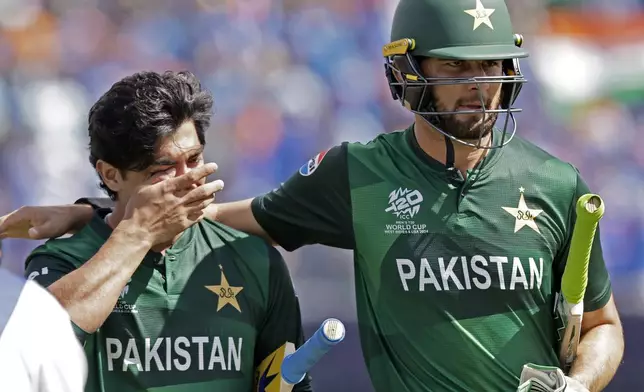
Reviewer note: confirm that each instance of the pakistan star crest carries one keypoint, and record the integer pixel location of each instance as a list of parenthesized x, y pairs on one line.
[(227, 294), (523, 215), (481, 15)]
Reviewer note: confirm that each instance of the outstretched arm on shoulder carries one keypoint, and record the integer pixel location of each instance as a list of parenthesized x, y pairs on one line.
[(32, 222)]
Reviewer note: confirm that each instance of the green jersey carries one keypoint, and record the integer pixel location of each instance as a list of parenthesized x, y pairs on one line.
[(207, 315), (455, 275)]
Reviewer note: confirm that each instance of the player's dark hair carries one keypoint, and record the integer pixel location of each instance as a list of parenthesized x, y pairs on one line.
[(128, 121)]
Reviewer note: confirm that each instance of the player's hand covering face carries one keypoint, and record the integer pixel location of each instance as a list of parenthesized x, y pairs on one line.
[(176, 155), (464, 97), (167, 207), (169, 195)]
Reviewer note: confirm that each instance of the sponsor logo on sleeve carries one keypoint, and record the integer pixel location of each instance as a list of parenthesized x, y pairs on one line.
[(308, 168)]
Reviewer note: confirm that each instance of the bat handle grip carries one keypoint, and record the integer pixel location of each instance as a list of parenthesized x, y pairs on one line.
[(296, 365)]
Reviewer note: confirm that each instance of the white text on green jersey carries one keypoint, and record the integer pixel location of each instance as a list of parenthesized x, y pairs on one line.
[(180, 353), (470, 273)]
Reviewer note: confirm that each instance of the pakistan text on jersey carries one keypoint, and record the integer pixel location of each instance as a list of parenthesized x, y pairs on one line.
[(169, 354), (467, 273)]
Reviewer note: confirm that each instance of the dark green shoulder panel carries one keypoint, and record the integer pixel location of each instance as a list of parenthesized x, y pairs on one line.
[(227, 233), (385, 142), (561, 177), (366, 160), (221, 235), (253, 251), (527, 153), (76, 249)]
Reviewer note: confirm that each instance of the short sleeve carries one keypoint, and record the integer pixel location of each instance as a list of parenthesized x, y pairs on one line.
[(45, 270), (599, 290), (313, 206), (282, 324)]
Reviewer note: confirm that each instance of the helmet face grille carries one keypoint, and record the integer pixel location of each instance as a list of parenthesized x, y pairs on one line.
[(415, 92)]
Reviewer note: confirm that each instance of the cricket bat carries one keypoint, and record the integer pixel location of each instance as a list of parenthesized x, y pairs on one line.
[(570, 301), (296, 365), (267, 374), (286, 367)]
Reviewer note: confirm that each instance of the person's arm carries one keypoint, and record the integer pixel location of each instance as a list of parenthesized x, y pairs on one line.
[(602, 342), (282, 324), (238, 215), (601, 348), (90, 292), (44, 222), (38, 223), (311, 207)]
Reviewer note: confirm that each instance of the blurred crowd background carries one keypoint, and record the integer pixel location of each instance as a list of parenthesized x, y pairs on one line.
[(292, 77)]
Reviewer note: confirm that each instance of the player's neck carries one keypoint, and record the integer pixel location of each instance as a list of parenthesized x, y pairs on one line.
[(433, 144), (116, 216)]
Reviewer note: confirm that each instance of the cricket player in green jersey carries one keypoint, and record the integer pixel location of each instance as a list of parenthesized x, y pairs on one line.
[(460, 229), (161, 299)]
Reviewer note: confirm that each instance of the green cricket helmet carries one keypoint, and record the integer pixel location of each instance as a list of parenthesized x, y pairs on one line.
[(458, 30)]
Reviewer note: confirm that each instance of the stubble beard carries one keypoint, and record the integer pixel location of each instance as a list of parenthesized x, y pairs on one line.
[(472, 127)]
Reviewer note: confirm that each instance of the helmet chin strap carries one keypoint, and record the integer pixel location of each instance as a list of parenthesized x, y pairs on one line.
[(449, 146), (449, 158), (433, 120)]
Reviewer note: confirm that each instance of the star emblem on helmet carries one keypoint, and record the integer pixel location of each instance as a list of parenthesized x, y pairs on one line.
[(481, 15)]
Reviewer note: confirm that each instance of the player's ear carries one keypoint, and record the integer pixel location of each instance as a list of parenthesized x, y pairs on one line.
[(110, 175)]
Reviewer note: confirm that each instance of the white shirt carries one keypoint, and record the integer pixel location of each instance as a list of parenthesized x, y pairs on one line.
[(38, 349)]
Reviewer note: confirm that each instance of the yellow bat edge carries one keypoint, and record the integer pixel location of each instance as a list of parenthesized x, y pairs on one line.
[(268, 377)]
